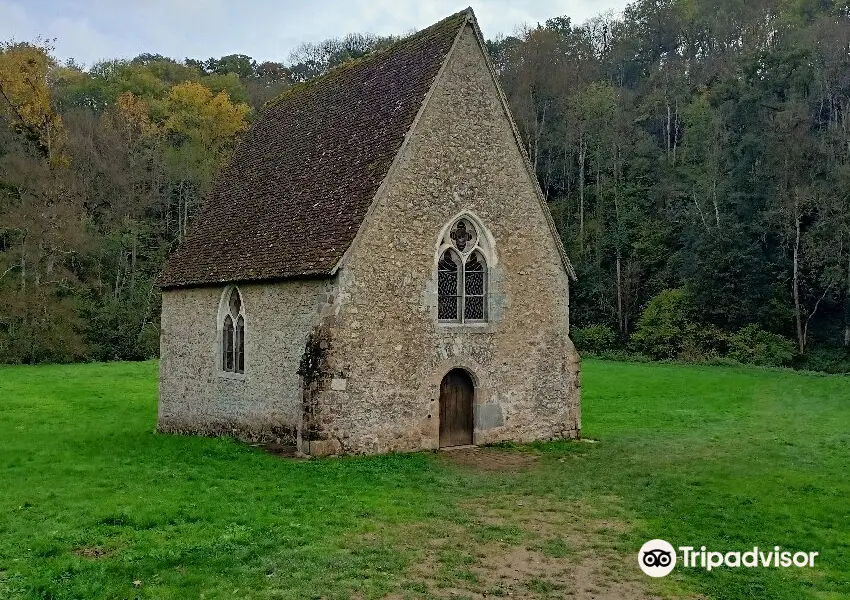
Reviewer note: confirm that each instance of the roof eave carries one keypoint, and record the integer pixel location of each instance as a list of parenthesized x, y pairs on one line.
[(198, 283)]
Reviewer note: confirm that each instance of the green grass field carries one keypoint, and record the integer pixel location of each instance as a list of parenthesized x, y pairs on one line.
[(94, 504)]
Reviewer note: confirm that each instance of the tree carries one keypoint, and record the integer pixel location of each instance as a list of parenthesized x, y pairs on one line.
[(25, 97), (201, 128)]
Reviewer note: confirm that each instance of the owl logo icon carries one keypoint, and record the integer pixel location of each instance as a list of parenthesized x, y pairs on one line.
[(657, 558)]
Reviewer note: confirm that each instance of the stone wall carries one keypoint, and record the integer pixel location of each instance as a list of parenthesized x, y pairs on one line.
[(265, 402), (377, 388)]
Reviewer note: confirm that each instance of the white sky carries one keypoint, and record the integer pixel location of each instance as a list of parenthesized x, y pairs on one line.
[(92, 30)]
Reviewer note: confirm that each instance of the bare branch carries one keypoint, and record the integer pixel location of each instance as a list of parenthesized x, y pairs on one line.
[(812, 314), (9, 270)]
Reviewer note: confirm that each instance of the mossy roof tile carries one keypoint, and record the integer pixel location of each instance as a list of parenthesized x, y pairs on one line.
[(301, 181)]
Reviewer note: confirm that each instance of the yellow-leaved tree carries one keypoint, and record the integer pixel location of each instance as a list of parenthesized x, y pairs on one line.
[(201, 129), (134, 115), (210, 120), (25, 97)]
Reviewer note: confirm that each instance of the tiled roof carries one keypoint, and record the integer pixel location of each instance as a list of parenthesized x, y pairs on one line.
[(302, 179)]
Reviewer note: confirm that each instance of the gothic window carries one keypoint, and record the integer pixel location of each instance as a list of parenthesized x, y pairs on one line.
[(233, 334), (462, 275)]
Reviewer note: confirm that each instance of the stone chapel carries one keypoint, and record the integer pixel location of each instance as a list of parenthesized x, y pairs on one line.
[(376, 270)]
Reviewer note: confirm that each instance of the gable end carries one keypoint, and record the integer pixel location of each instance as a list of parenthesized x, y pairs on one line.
[(471, 21)]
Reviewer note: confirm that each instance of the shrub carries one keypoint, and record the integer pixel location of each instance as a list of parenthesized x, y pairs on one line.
[(42, 327), (703, 343), (668, 329), (661, 328), (826, 359), (595, 339), (624, 355), (755, 346)]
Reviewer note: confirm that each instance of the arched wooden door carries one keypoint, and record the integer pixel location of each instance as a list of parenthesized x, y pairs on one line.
[(456, 393)]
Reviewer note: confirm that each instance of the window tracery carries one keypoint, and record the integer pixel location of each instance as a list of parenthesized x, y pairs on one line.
[(462, 270)]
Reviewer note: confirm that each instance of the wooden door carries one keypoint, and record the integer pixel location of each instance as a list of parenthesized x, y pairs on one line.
[(456, 393)]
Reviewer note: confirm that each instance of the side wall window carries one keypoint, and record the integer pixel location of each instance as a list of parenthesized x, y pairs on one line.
[(233, 333), (462, 275)]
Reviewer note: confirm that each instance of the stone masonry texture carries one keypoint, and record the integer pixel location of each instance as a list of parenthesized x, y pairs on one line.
[(387, 353), (265, 403), (366, 341)]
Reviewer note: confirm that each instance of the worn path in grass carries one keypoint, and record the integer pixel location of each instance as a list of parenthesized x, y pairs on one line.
[(95, 505)]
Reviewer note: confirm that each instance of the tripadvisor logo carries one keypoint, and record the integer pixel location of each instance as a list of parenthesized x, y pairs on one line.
[(657, 558)]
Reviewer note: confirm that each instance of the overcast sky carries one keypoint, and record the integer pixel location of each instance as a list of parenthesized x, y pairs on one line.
[(92, 30)]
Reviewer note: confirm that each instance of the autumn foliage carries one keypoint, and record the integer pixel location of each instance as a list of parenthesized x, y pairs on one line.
[(100, 173)]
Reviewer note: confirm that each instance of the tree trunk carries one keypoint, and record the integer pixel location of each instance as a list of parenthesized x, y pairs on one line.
[(714, 200), (566, 204), (179, 213), (540, 125), (49, 145), (801, 340), (23, 266), (133, 260), (675, 130), (620, 323), (847, 308), (699, 208), (616, 175), (812, 314), (582, 157)]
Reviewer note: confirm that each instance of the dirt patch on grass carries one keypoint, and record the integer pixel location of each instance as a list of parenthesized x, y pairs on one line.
[(489, 459), (93, 552), (526, 573), (542, 517), (532, 548), (570, 549), (513, 544), (500, 570)]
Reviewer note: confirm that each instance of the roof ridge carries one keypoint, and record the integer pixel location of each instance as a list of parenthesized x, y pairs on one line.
[(366, 58)]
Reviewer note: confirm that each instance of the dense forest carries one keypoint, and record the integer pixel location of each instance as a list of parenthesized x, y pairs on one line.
[(695, 155)]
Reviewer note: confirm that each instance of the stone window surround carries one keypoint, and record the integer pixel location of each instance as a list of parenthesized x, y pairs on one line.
[(223, 311), (485, 244)]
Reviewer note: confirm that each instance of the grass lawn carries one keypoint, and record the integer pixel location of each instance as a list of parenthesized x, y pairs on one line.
[(94, 504)]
